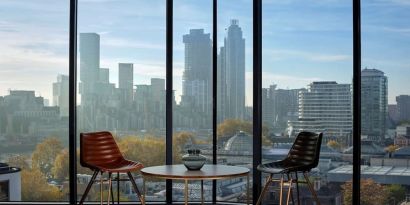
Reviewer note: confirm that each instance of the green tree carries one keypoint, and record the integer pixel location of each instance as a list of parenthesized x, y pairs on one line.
[(45, 154), (396, 193)]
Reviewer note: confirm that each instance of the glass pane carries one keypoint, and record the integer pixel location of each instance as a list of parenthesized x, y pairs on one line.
[(34, 100), (192, 109), (234, 95), (121, 76), (385, 102), (307, 86)]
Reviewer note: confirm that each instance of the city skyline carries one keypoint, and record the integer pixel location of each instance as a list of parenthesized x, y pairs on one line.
[(46, 48)]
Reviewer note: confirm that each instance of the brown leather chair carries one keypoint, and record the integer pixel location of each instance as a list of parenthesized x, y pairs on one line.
[(100, 153)]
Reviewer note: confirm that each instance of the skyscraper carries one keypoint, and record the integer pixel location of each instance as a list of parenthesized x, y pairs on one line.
[(89, 63), (235, 71), (60, 94), (221, 86), (374, 103), (325, 106), (403, 107), (126, 81), (197, 85)]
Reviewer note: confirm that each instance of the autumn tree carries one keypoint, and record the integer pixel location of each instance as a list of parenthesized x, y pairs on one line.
[(60, 168), (150, 151), (372, 193), (334, 144), (45, 154), (19, 161), (182, 138), (391, 149), (230, 127), (34, 187)]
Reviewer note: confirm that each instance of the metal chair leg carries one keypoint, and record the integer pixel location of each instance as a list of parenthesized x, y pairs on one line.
[(297, 187), (281, 189), (291, 190), (88, 187), (311, 188), (135, 186), (109, 188), (118, 188), (268, 181), (101, 188)]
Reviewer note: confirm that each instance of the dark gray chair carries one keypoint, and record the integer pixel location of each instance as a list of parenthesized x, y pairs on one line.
[(302, 157)]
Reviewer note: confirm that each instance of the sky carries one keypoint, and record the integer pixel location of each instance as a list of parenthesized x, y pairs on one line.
[(303, 40)]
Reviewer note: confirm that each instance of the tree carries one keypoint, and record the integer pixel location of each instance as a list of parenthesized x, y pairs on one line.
[(371, 193), (60, 169), (334, 144), (182, 138), (45, 154), (19, 161), (34, 187), (230, 127), (391, 149), (396, 193), (150, 151)]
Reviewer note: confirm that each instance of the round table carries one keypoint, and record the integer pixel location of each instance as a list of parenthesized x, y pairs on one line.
[(207, 172)]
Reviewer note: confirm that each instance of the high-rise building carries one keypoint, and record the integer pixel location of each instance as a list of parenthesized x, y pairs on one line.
[(126, 81), (60, 94), (197, 84), (235, 71), (403, 107), (325, 106), (374, 103), (221, 86), (279, 106), (104, 75), (89, 64)]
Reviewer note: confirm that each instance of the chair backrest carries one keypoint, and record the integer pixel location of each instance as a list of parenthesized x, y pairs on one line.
[(305, 151), (98, 148)]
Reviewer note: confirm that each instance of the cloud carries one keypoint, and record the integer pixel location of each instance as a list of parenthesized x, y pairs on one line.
[(281, 54), (127, 43)]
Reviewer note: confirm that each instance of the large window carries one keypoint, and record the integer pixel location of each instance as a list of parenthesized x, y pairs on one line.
[(121, 84), (34, 100), (192, 85), (307, 86), (234, 94), (385, 102)]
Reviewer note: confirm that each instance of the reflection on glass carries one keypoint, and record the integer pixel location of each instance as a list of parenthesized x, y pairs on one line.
[(122, 86), (307, 72)]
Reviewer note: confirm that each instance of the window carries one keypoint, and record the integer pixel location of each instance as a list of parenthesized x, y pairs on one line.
[(307, 86), (121, 84), (34, 100)]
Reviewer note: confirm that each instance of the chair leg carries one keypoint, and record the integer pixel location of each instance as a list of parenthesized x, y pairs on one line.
[(135, 187), (281, 189), (268, 181), (118, 188), (101, 188), (290, 189), (297, 187), (88, 187), (311, 188), (109, 188)]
